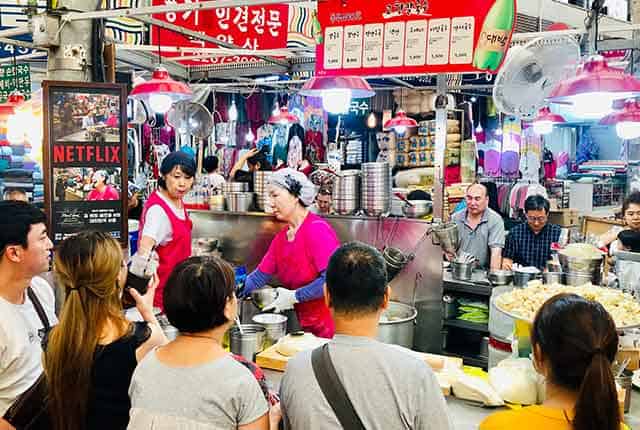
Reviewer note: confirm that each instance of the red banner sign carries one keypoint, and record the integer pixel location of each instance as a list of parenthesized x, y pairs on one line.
[(395, 37), (250, 27)]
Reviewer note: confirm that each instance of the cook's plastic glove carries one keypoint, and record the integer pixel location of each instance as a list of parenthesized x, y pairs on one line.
[(285, 301)]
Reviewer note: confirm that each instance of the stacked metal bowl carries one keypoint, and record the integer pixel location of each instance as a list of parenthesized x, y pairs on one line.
[(236, 196), (346, 192), (260, 182), (376, 188), (235, 187)]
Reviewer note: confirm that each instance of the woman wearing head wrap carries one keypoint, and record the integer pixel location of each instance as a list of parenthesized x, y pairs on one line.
[(298, 255), (164, 224)]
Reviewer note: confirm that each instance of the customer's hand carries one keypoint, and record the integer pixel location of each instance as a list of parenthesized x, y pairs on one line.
[(450, 256), (275, 416), (144, 303), (4, 425)]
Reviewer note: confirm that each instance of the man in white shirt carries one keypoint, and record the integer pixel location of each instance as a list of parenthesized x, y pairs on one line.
[(24, 253)]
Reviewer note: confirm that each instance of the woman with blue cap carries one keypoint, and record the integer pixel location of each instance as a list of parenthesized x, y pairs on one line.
[(299, 254), (164, 224)]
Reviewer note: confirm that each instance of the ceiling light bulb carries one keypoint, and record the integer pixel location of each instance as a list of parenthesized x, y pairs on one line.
[(593, 105), (160, 103), (233, 112), (479, 129), (473, 99), (250, 137), (499, 131), (400, 129), (542, 127), (336, 101), (628, 130), (276, 110), (372, 121)]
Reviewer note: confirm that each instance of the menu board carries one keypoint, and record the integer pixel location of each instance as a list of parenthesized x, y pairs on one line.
[(85, 158), (393, 37)]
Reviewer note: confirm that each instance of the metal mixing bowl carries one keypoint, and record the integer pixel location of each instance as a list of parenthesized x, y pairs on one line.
[(500, 277)]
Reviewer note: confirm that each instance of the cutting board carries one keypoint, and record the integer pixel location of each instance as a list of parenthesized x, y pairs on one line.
[(270, 358)]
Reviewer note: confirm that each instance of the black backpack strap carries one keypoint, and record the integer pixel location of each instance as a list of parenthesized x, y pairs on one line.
[(333, 389), (39, 309)]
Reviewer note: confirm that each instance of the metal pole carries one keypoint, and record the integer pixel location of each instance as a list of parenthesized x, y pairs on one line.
[(441, 142), (183, 7)]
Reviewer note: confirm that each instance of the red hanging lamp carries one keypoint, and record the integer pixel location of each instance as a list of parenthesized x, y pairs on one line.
[(337, 91), (161, 91), (283, 117), (543, 123), (400, 123), (626, 120), (594, 88)]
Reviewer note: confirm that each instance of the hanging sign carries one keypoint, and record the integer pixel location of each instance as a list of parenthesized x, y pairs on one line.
[(250, 27), (394, 37), (85, 158), (12, 78)]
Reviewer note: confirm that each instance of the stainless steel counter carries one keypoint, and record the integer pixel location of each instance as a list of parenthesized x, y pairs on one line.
[(467, 416), (245, 237)]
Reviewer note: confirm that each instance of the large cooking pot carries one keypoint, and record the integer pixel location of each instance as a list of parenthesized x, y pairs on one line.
[(447, 236), (397, 324)]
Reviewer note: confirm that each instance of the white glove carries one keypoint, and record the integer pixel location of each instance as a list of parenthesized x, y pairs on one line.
[(283, 302)]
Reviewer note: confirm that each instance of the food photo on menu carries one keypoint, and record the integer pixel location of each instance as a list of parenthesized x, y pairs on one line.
[(88, 184), (82, 117)]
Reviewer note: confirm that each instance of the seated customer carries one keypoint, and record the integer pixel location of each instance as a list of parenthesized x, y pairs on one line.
[(388, 388), (192, 382), (574, 342), (529, 244)]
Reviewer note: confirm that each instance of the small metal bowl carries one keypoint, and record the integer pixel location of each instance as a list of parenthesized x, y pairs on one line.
[(263, 296), (417, 208), (500, 277)]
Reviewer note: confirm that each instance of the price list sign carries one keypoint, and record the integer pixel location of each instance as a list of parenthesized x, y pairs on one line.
[(15, 78), (392, 37), (249, 27)]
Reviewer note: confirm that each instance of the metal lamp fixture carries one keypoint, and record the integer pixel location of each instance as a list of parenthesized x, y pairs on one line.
[(626, 120), (400, 123), (544, 121), (337, 91), (161, 91), (283, 117), (594, 88)]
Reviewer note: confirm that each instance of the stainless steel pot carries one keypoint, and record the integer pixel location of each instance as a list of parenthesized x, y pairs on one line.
[(521, 278), (447, 236), (235, 187), (577, 279), (462, 271), (238, 202), (552, 277), (248, 343), (417, 208), (397, 324), (275, 326)]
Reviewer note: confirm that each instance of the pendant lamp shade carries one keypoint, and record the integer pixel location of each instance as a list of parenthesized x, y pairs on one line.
[(594, 88), (161, 91), (400, 122), (319, 85), (14, 100), (283, 117), (544, 121), (626, 120)]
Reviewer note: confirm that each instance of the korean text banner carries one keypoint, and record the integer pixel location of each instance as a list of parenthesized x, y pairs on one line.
[(249, 27), (392, 37)]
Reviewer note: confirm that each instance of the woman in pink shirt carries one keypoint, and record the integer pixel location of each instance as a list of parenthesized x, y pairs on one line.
[(101, 190), (298, 255)]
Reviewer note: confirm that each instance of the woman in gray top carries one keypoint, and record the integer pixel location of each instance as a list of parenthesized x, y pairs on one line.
[(192, 382)]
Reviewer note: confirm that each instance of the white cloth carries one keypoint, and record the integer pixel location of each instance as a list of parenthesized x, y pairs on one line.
[(20, 350), (214, 181), (157, 225)]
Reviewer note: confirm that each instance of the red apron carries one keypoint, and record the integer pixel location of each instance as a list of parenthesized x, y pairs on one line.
[(174, 252)]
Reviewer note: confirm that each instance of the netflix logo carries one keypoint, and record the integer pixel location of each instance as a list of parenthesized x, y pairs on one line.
[(86, 154)]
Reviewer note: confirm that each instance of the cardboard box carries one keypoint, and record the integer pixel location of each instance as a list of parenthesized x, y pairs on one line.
[(564, 217)]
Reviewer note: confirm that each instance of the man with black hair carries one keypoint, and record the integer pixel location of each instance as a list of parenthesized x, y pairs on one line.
[(212, 180), (529, 244), (256, 160), (24, 254), (388, 387)]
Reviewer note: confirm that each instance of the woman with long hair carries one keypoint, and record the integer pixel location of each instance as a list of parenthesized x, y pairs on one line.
[(193, 382), (574, 342), (92, 352)]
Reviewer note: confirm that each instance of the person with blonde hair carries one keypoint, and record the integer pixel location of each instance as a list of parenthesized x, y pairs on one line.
[(92, 353)]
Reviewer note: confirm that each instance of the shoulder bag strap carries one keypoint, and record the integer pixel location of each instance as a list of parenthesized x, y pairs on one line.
[(39, 309), (333, 389)]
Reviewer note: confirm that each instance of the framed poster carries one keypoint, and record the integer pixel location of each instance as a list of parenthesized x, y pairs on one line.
[(85, 158)]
